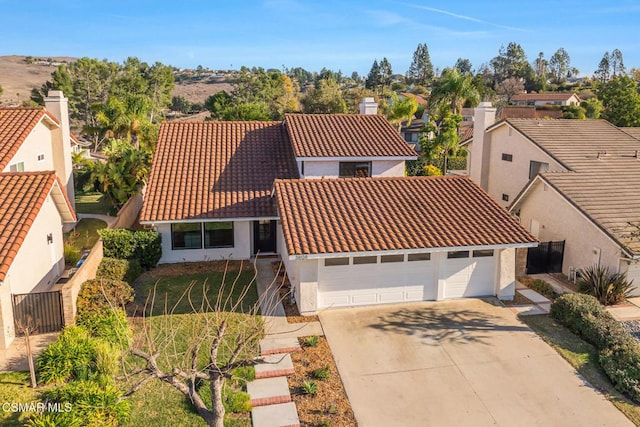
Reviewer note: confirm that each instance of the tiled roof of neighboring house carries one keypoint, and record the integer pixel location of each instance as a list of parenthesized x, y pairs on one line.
[(633, 131), (217, 170), (550, 96), (527, 112), (21, 197), (325, 216), (416, 126), (345, 135), (419, 98), (608, 195), (465, 133), (16, 123), (576, 143)]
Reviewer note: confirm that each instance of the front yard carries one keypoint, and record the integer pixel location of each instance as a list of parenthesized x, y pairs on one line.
[(584, 358), (94, 203)]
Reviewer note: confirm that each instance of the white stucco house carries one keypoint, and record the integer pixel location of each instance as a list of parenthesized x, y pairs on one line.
[(571, 181), (546, 98), (328, 194), (35, 204)]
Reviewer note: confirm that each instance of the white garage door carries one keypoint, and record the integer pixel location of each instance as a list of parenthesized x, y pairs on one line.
[(376, 283), (472, 275), (633, 273)]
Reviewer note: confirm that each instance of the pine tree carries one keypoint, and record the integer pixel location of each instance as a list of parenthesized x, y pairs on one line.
[(421, 69), (373, 78)]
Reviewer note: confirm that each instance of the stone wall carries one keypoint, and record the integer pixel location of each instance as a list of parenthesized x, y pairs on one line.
[(521, 262)]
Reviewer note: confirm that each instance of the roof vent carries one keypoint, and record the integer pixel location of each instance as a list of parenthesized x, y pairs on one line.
[(601, 154)]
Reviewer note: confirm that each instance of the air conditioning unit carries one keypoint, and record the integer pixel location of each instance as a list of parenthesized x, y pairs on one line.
[(572, 274)]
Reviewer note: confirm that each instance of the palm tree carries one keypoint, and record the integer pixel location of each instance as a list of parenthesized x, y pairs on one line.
[(454, 89), (401, 110)]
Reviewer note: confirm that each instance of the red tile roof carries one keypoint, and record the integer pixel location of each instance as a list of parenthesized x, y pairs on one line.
[(345, 135), (16, 123), (548, 96), (21, 197), (378, 214), (217, 170)]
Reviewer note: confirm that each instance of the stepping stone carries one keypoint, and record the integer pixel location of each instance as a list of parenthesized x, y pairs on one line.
[(268, 391), (282, 415), (274, 365), (278, 345), (533, 296), (527, 310), (545, 306)]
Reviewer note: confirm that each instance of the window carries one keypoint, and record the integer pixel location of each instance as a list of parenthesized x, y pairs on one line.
[(481, 253), (458, 254), (419, 257), (218, 234), (186, 235), (392, 258), (328, 262), (507, 157), (505, 197), (365, 260), (355, 169), (17, 167), (41, 157), (537, 167)]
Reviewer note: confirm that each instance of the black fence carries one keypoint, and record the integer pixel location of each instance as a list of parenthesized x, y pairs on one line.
[(40, 311), (546, 258)]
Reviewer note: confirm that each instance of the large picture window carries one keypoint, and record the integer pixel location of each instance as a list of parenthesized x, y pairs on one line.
[(186, 235), (355, 169), (218, 234)]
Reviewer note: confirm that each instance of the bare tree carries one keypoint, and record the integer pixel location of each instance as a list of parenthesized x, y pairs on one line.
[(509, 88), (27, 328), (221, 336)]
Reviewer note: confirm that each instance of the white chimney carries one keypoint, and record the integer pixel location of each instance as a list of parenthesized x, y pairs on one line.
[(483, 117), (58, 105), (368, 106)]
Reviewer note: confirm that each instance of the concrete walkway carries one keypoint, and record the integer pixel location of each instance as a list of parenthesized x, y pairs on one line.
[(540, 304), (269, 393), (14, 358), (110, 220)]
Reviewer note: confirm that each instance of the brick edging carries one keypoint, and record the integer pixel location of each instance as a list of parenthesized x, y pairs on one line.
[(264, 401), (273, 374)]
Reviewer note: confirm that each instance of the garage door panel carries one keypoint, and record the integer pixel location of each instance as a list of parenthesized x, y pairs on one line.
[(469, 277)]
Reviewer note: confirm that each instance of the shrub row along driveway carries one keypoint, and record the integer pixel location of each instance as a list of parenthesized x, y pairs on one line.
[(463, 362)]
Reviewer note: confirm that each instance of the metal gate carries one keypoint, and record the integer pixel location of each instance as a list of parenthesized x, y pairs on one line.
[(546, 258), (41, 311)]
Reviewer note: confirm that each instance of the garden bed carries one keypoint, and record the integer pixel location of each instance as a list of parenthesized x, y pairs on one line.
[(329, 405), (518, 299)]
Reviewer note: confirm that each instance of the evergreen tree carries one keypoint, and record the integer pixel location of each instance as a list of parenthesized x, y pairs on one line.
[(421, 69), (373, 78), (385, 73)]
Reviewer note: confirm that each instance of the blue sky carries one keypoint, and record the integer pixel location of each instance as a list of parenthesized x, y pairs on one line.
[(345, 35)]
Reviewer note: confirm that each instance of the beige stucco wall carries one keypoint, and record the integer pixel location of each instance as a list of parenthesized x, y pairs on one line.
[(39, 141), (331, 168), (509, 178), (559, 220), (36, 267), (241, 239)]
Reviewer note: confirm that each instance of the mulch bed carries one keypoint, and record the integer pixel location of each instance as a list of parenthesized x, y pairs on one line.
[(518, 299), (330, 405), (284, 289)]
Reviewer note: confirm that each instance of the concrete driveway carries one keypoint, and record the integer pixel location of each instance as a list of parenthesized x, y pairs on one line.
[(456, 363)]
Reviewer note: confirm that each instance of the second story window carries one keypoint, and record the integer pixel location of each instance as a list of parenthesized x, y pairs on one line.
[(537, 167), (41, 157), (507, 157), (17, 167), (355, 169)]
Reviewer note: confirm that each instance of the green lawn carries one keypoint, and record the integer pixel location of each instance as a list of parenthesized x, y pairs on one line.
[(94, 203), (85, 234), (15, 387), (584, 358), (158, 403)]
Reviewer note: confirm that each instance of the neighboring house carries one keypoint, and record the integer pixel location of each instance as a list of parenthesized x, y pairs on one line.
[(340, 193), (538, 99), (35, 165), (568, 180)]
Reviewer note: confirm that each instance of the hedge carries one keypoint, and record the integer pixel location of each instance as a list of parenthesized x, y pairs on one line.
[(619, 353), (110, 325), (103, 294), (120, 243), (126, 270)]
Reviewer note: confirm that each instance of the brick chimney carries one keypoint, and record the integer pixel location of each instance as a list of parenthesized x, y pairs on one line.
[(58, 105), (483, 117), (368, 106)]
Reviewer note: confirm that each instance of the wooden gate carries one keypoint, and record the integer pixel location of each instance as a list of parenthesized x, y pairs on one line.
[(42, 310), (546, 258)]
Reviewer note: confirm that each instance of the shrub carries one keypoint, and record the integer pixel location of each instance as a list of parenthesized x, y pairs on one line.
[(431, 170), (75, 355), (584, 316), (119, 269), (321, 373), (540, 286), (244, 374), (311, 341), (91, 403), (71, 255), (622, 364), (120, 243), (609, 288), (309, 387), (102, 294), (110, 325), (236, 401)]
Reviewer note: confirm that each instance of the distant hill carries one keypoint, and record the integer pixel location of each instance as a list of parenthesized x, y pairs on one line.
[(18, 77)]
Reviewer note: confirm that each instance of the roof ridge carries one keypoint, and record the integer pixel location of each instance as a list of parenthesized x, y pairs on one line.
[(28, 173)]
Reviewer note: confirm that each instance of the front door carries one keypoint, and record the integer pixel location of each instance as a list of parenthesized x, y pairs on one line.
[(264, 236)]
